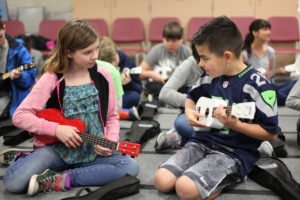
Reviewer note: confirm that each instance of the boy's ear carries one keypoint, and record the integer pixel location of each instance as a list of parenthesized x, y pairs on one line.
[(228, 55)]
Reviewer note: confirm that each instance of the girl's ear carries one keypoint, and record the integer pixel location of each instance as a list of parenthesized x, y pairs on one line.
[(228, 55), (69, 53)]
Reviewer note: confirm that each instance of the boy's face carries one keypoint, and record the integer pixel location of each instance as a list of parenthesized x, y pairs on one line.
[(172, 45), (214, 65), (2, 37)]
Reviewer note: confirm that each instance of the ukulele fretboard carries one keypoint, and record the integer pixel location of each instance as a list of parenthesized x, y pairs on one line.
[(93, 139), (21, 68)]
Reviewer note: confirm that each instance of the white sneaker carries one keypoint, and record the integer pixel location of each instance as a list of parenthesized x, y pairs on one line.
[(167, 139), (265, 149)]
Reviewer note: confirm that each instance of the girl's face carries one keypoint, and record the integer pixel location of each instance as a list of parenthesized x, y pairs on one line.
[(263, 34), (85, 58)]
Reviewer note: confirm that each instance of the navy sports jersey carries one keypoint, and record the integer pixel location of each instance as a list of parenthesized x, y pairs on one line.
[(247, 86)]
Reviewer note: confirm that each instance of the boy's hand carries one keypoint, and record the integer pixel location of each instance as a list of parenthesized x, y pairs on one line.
[(125, 76), (15, 74), (228, 121), (158, 78), (68, 135), (192, 117), (103, 151)]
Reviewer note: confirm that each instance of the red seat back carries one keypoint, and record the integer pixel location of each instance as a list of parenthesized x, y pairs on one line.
[(49, 28), (99, 25), (194, 24), (14, 27), (243, 23), (156, 27)]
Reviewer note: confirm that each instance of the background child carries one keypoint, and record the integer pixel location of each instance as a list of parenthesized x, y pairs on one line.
[(74, 84), (174, 93), (261, 56), (218, 158), (12, 55), (163, 58), (106, 58), (131, 84), (36, 55)]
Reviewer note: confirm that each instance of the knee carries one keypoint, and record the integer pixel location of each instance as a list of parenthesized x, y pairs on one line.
[(164, 180), (13, 183), (186, 188), (133, 167)]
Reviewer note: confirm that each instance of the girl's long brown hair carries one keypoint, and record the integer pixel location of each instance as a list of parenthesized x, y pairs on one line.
[(74, 35)]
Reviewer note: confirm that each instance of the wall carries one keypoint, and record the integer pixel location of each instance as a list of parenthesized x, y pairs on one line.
[(53, 8)]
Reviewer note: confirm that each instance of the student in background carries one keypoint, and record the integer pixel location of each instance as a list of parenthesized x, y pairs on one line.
[(261, 56), (174, 93), (164, 58), (108, 53), (195, 170), (12, 55), (74, 84), (107, 58), (36, 55)]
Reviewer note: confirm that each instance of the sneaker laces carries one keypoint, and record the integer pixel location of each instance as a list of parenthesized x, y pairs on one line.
[(9, 157), (47, 184)]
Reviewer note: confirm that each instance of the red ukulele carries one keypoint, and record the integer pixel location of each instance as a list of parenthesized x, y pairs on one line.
[(54, 115)]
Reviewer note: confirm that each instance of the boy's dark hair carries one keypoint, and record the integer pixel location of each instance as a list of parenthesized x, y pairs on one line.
[(173, 30), (220, 35), (254, 26), (1, 25), (195, 53)]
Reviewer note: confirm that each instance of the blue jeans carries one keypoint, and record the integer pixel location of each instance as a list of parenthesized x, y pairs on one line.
[(183, 128), (130, 99), (96, 173)]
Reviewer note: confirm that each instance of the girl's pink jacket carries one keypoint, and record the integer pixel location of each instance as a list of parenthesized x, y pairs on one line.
[(25, 115)]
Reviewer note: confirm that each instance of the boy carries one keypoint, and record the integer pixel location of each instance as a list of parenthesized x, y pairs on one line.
[(163, 58), (218, 158), (12, 55)]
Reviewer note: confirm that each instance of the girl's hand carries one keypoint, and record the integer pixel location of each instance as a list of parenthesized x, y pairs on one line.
[(103, 151), (192, 117), (68, 135), (228, 121)]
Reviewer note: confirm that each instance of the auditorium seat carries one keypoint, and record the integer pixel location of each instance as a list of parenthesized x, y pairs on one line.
[(285, 29), (100, 25), (14, 27), (129, 35), (194, 24), (243, 24), (49, 29)]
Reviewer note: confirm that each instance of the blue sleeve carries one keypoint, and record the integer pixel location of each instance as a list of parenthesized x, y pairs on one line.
[(126, 61), (27, 78)]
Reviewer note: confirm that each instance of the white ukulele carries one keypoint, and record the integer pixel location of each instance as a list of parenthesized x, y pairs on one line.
[(134, 70), (206, 106)]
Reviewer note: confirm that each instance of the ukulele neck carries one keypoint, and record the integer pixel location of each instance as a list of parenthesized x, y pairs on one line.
[(93, 139)]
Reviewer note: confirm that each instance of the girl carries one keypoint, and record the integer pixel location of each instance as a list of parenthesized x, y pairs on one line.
[(256, 51), (261, 56), (74, 84)]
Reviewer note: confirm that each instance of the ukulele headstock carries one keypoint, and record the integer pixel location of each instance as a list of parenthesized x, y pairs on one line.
[(128, 148), (244, 110)]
